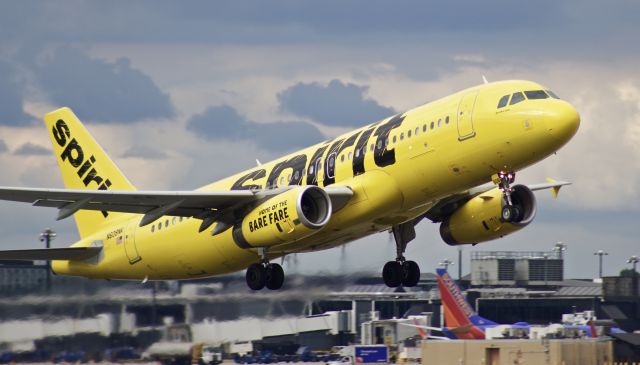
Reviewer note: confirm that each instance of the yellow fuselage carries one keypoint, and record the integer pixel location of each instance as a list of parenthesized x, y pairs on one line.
[(398, 168)]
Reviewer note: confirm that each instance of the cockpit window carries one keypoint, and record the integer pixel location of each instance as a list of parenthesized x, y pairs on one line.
[(503, 101), (516, 98), (536, 94), (552, 94)]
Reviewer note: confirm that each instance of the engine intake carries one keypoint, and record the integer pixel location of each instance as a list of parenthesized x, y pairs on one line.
[(479, 219), (292, 215)]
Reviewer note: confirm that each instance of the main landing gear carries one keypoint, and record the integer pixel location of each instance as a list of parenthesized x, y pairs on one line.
[(401, 271), (264, 274), (510, 212)]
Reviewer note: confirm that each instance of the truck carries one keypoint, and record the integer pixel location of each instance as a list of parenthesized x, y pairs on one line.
[(184, 353)]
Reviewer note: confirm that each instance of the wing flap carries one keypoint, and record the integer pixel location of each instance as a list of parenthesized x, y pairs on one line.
[(69, 253)]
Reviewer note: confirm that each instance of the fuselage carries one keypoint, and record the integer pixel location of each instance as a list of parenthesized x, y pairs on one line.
[(398, 168)]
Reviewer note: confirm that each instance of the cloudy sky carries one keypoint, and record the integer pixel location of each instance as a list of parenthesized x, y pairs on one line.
[(181, 94)]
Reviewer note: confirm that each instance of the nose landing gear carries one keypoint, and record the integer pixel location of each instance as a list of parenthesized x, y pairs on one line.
[(510, 212), (401, 271)]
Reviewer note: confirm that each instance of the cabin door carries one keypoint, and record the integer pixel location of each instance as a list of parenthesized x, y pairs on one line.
[(465, 116), (130, 243)]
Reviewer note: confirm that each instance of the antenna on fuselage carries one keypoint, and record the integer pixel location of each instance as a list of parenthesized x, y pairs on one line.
[(258, 162), (484, 79)]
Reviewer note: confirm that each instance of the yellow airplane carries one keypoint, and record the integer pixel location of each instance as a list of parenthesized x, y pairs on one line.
[(452, 161)]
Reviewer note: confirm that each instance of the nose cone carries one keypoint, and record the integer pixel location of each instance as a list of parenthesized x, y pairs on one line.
[(563, 122)]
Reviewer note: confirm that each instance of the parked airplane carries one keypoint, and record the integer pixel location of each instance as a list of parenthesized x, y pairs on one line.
[(387, 176), (462, 322)]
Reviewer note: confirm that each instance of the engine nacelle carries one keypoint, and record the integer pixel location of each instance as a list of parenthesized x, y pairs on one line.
[(479, 219), (290, 216)]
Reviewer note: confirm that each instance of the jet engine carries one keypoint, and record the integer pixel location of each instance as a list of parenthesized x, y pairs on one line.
[(480, 219), (289, 216)]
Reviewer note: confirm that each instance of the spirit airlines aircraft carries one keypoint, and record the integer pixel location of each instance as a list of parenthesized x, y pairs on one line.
[(387, 176)]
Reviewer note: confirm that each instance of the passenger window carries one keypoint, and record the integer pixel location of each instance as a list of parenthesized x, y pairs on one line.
[(552, 94), (173, 221), (439, 121), (342, 158), (166, 223), (516, 98), (446, 120), (432, 124), (289, 178), (153, 228), (424, 127), (181, 219), (281, 180), (417, 130), (350, 153), (502, 103), (536, 94), (159, 226), (386, 141), (409, 133), (394, 139), (371, 147), (402, 136)]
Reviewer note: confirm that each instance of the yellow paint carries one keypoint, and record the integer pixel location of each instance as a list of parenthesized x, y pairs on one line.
[(478, 141)]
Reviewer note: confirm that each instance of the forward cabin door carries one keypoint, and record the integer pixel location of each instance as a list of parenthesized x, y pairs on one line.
[(465, 116)]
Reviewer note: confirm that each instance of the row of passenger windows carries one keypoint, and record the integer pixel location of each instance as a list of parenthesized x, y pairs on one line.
[(158, 227), (531, 95)]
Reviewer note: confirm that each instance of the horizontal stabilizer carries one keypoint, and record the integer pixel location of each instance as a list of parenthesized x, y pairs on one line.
[(69, 253)]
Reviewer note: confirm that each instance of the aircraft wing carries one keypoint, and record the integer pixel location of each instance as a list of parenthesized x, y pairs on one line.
[(208, 205), (70, 253), (448, 205)]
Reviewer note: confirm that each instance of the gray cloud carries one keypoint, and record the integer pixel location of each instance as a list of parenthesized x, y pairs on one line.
[(336, 104), (11, 104), (146, 152), (30, 149), (101, 91), (224, 123)]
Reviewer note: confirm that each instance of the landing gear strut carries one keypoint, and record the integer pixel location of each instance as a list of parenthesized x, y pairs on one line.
[(264, 274), (504, 179), (401, 271)]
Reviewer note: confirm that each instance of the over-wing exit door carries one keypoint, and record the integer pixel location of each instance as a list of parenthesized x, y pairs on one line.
[(465, 116)]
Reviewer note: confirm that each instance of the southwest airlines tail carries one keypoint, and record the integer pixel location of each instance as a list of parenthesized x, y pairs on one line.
[(84, 165), (457, 311)]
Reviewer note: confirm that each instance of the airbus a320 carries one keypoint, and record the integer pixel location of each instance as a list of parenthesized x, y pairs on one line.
[(452, 161)]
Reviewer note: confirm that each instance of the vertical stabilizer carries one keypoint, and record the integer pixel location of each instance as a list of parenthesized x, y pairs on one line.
[(457, 311), (83, 165)]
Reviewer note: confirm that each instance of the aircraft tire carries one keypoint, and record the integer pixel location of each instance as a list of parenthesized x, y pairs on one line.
[(510, 213), (256, 276), (275, 276), (392, 274), (410, 273)]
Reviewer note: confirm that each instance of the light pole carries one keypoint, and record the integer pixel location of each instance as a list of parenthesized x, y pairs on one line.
[(445, 263), (633, 260), (546, 258), (600, 253), (560, 248), (47, 236)]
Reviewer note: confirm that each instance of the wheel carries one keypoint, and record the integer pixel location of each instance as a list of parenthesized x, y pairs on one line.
[(256, 276), (275, 276), (510, 213), (410, 273), (392, 274)]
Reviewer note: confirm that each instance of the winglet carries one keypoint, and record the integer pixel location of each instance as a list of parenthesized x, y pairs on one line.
[(554, 189)]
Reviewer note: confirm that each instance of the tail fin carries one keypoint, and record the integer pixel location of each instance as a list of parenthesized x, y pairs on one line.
[(84, 165), (457, 311)]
